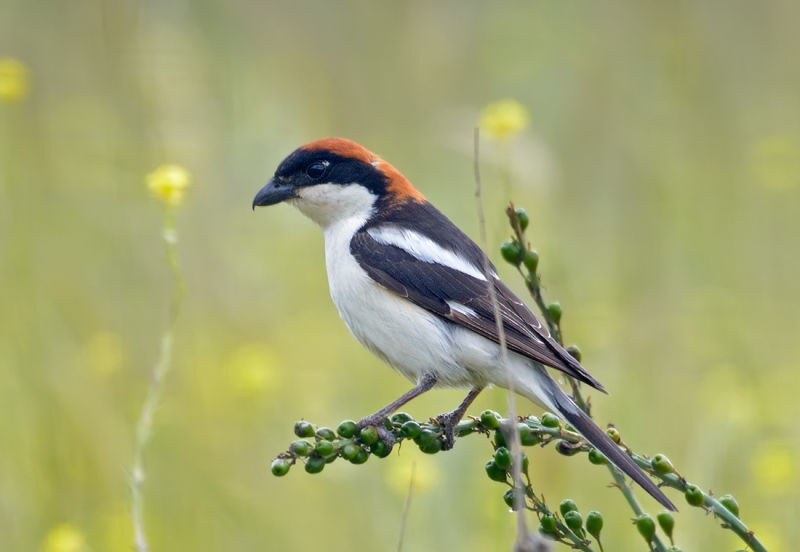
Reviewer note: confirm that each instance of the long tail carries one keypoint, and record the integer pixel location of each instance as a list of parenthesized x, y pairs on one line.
[(563, 405)]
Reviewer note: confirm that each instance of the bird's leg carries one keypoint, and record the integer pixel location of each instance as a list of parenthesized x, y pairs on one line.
[(425, 383), (449, 420)]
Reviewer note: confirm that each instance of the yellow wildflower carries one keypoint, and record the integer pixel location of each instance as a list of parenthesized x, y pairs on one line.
[(168, 183), (13, 80), (253, 369), (425, 472), (104, 353), (504, 119), (64, 537), (774, 468), (776, 162)]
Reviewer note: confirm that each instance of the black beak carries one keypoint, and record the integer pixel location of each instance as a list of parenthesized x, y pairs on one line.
[(273, 192)]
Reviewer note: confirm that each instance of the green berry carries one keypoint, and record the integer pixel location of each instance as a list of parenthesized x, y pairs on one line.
[(325, 448), (661, 464), (694, 495), (495, 472), (512, 252), (531, 261), (547, 524), (508, 498), (410, 429), (730, 503), (532, 420), (502, 457), (347, 429), (361, 457), (401, 418), (550, 420), (301, 447), (554, 311), (574, 521), (280, 467), (326, 434), (426, 436), (431, 447), (368, 435), (303, 429), (315, 464), (574, 352), (567, 505), (527, 437), (380, 449), (596, 457), (350, 451), (594, 523), (646, 527), (522, 217), (525, 463), (667, 522), (613, 432), (490, 419)]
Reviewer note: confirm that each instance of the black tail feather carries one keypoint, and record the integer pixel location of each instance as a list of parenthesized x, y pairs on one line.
[(597, 437)]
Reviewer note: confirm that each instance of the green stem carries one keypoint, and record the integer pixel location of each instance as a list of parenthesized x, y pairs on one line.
[(534, 284), (160, 370), (627, 492), (731, 521)]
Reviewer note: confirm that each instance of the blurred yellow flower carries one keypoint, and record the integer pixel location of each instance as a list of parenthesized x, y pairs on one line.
[(168, 183), (423, 469), (64, 537), (13, 80), (775, 468), (253, 369), (776, 162), (504, 119), (104, 353)]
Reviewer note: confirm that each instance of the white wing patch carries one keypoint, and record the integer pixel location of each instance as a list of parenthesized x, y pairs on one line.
[(424, 249), (463, 309)]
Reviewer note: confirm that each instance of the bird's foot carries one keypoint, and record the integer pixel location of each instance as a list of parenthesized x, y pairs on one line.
[(447, 422), (378, 421)]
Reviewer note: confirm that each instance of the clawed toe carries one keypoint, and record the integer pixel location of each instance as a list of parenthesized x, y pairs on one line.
[(378, 422), (447, 424)]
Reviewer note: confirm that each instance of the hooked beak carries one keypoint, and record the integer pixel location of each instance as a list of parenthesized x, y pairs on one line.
[(273, 192)]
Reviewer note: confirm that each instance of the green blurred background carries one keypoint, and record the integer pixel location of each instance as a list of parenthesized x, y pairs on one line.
[(661, 169)]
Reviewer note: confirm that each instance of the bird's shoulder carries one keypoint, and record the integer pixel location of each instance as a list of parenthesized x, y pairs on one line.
[(422, 220)]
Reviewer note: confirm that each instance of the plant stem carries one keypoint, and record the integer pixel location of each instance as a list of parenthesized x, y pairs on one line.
[(627, 492), (160, 370), (524, 540)]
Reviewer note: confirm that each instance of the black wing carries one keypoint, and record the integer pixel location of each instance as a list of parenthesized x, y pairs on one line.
[(434, 286)]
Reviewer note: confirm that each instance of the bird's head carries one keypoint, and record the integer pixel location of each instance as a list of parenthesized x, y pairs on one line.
[(333, 179)]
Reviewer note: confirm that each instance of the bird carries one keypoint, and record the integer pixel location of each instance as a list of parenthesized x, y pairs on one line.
[(415, 291)]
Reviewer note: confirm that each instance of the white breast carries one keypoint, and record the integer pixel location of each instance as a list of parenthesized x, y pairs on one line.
[(407, 337)]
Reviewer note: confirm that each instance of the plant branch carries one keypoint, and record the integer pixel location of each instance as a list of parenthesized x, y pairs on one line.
[(160, 369)]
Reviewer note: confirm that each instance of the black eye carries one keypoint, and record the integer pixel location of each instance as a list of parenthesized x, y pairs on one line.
[(316, 169)]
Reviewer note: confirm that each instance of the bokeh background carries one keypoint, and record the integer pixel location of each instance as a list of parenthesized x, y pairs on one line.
[(660, 166)]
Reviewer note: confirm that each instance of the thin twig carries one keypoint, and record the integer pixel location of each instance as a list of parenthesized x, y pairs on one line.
[(524, 538), (534, 284), (407, 506), (160, 370), (627, 492)]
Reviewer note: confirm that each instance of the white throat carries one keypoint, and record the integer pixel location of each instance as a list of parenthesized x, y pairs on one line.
[(329, 204)]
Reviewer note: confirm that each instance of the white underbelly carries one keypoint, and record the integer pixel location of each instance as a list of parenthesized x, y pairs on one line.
[(409, 338)]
